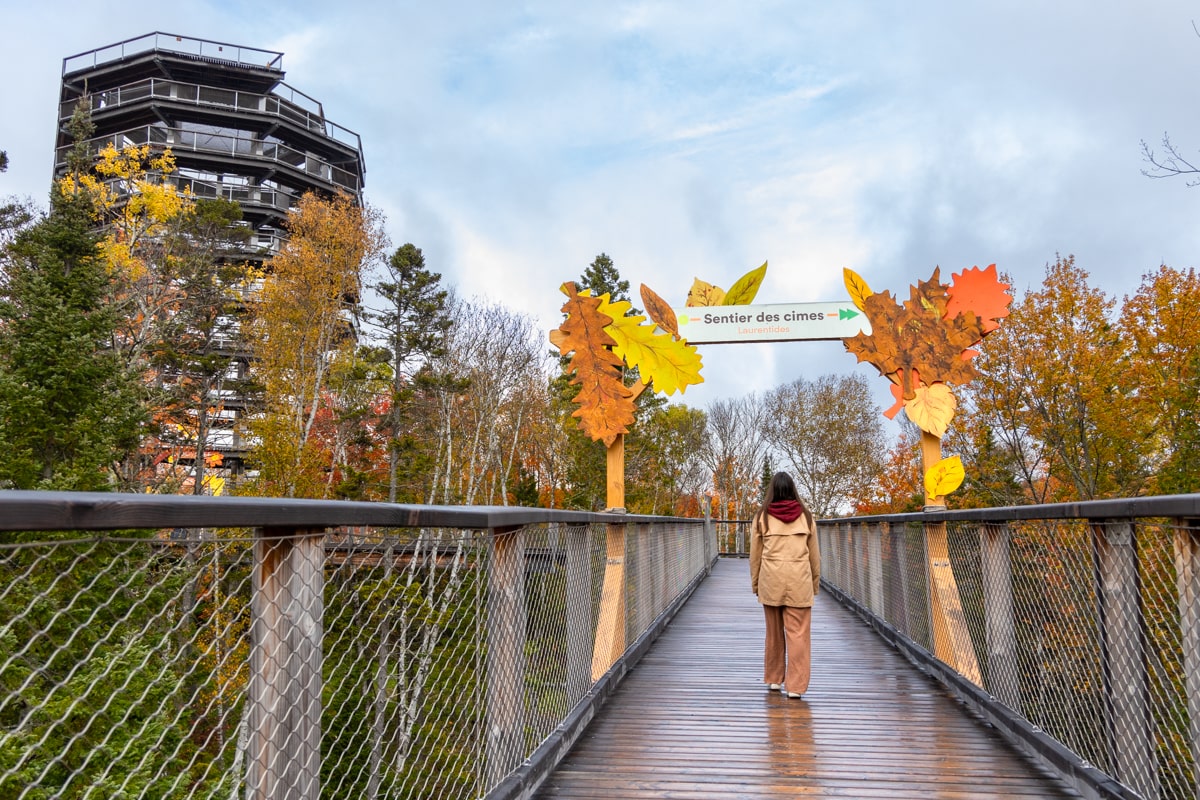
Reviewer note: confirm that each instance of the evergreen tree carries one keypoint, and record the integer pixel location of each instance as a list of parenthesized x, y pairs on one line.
[(3, 161), (525, 493), (602, 276), (194, 348), (68, 408), (416, 322)]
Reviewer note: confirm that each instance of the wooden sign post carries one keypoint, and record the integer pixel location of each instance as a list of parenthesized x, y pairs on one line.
[(610, 627)]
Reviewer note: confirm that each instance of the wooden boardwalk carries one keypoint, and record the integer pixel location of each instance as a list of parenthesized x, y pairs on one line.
[(694, 720)]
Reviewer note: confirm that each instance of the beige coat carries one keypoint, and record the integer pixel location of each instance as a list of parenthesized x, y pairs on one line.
[(785, 562)]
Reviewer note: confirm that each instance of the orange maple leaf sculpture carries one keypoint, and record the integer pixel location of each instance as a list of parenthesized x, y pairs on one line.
[(606, 405), (981, 291)]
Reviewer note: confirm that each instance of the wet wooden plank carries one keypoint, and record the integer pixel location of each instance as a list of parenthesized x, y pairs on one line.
[(694, 720)]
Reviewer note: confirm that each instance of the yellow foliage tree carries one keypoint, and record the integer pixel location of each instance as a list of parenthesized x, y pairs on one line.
[(1058, 374), (1160, 324), (301, 324), (135, 201)]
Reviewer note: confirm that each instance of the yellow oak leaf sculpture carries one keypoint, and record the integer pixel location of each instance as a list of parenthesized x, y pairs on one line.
[(668, 363)]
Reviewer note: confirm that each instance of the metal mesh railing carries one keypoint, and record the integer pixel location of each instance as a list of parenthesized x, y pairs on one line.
[(364, 662), (1089, 629)]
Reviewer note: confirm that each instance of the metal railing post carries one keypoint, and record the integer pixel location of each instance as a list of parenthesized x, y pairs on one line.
[(1123, 656), (579, 609), (284, 694), (1000, 621), (875, 570), (1187, 572)]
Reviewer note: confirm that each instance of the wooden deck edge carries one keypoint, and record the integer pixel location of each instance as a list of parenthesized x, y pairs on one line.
[(525, 780), (1016, 729)]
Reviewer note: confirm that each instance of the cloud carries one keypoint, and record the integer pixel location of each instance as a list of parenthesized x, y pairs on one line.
[(514, 143)]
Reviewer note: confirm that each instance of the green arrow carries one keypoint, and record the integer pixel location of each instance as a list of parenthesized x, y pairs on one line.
[(846, 313)]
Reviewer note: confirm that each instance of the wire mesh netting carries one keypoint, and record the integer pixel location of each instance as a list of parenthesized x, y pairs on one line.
[(424, 662), (1087, 629)]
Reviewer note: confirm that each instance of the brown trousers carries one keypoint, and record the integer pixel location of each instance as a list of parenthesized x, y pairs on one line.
[(788, 655)]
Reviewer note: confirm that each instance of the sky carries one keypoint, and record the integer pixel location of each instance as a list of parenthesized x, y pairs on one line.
[(513, 142)]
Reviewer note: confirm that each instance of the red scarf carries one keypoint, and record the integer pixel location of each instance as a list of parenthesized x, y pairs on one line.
[(785, 510)]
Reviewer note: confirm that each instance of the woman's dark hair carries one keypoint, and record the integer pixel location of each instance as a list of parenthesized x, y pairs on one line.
[(782, 487)]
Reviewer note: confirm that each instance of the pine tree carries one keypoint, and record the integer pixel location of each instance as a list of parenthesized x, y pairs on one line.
[(68, 408), (416, 323)]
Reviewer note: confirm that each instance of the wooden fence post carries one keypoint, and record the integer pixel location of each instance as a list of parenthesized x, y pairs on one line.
[(1003, 669), (284, 694), (1187, 571), (1123, 656), (505, 654), (610, 627)]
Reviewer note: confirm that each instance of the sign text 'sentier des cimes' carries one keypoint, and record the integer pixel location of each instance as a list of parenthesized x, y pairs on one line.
[(782, 322)]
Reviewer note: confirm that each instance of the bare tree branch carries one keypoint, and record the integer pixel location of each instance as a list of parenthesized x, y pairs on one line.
[(1170, 164)]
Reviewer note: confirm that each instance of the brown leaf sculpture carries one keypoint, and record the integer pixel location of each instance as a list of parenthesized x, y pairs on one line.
[(916, 337), (605, 403), (660, 311)]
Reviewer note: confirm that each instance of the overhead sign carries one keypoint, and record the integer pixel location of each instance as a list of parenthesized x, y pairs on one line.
[(783, 322)]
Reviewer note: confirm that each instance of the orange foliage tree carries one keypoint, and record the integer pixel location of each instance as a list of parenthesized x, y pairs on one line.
[(1057, 382)]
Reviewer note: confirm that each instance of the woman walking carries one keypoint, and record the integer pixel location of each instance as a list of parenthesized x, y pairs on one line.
[(785, 573)]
